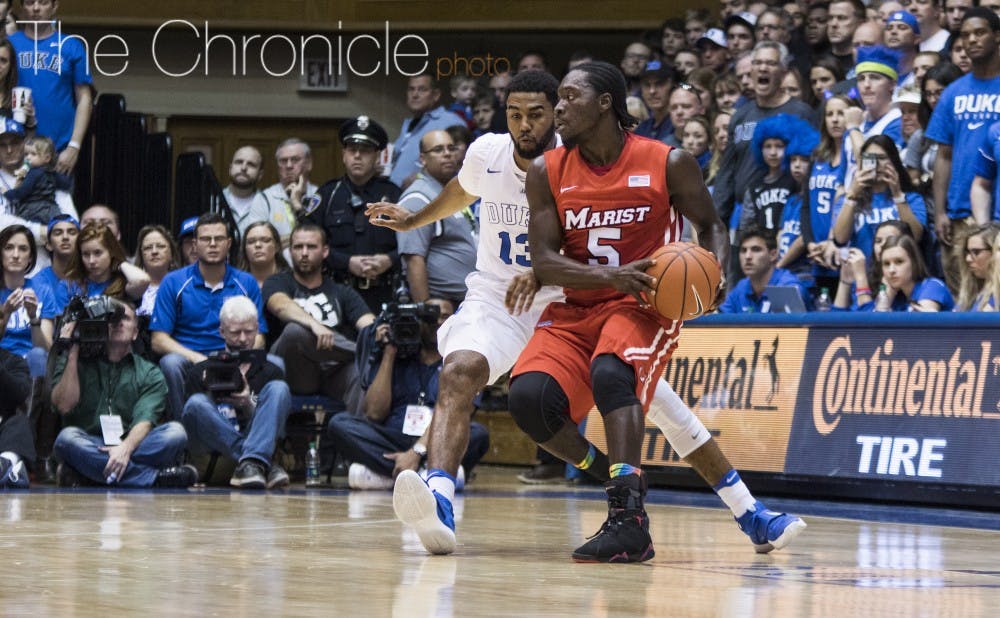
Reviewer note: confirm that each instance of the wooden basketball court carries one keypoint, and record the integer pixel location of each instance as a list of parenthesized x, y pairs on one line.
[(337, 553)]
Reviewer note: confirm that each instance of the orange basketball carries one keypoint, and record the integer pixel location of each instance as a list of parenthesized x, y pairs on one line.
[(687, 277)]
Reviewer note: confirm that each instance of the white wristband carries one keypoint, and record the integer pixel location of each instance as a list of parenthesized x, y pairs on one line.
[(73, 144)]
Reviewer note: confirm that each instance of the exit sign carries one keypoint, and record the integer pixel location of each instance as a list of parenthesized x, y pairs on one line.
[(319, 75)]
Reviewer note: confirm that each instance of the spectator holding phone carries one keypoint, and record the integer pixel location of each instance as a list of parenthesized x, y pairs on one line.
[(880, 191)]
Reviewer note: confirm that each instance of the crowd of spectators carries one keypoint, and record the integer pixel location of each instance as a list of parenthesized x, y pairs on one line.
[(852, 150)]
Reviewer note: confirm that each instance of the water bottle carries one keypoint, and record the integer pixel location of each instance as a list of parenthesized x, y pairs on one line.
[(823, 302), (228, 412), (882, 300), (312, 466)]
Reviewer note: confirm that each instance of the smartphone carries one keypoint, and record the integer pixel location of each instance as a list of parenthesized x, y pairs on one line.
[(868, 162)]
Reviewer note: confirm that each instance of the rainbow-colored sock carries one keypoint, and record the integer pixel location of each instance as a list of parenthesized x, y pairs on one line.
[(588, 460), (621, 469)]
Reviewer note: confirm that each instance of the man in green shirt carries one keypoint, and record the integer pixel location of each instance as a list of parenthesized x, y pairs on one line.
[(110, 405)]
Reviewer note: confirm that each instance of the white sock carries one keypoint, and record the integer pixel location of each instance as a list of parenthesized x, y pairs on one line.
[(444, 485), (735, 494), (10, 456)]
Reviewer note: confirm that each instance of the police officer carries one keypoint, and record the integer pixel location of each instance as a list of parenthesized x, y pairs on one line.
[(362, 255)]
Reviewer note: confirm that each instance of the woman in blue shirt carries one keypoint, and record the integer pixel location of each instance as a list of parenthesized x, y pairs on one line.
[(907, 285), (26, 308), (974, 270), (859, 273), (880, 191), (824, 180), (99, 267)]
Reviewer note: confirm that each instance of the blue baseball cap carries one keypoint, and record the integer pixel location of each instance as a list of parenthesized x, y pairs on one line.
[(907, 18), (61, 219), (187, 227), (11, 126)]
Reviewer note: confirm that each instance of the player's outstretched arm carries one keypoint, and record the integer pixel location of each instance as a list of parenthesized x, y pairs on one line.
[(691, 198), (545, 240), (452, 199)]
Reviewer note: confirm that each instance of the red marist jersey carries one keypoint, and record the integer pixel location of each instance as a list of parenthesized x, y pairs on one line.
[(616, 217)]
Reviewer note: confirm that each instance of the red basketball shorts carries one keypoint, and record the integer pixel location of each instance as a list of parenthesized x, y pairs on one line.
[(569, 337)]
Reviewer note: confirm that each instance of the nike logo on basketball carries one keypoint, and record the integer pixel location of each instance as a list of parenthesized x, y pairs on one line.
[(699, 306), (565, 189), (975, 125)]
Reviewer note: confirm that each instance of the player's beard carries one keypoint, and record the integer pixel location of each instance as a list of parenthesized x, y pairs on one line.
[(542, 146)]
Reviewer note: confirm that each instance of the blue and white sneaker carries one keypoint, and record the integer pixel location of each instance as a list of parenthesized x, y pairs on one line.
[(769, 530), (427, 511), (15, 477)]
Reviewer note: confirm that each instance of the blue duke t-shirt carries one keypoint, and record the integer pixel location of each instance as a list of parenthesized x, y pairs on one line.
[(967, 109), (867, 220), (930, 288), (52, 72), (17, 338), (986, 163)]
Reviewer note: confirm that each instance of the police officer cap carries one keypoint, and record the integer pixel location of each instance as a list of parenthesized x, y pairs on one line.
[(363, 130)]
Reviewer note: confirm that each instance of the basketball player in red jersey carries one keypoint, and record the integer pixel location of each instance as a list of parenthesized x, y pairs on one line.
[(598, 206)]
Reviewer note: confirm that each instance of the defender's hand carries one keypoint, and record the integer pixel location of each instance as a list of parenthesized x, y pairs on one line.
[(392, 216), (521, 292)]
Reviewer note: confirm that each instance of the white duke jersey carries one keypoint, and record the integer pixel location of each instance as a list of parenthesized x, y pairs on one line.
[(490, 172)]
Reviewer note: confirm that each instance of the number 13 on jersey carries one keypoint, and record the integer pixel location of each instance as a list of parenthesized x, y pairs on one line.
[(519, 249)]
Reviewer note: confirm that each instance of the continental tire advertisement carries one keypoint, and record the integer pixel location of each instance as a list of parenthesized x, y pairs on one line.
[(899, 404), (882, 404)]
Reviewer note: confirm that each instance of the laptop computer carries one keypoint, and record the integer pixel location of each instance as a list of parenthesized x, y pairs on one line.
[(785, 299)]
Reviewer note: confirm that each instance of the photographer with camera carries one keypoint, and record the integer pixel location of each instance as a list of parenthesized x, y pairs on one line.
[(316, 322), (401, 390), (111, 401), (238, 402), (16, 444)]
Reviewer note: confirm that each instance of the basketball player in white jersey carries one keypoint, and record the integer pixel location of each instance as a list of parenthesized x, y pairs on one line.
[(483, 339)]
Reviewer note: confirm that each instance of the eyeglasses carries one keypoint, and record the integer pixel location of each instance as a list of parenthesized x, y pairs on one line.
[(690, 88), (975, 251), (438, 150), (212, 240)]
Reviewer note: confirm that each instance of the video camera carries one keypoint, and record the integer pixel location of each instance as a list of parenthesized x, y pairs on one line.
[(222, 374), (404, 319), (92, 315)]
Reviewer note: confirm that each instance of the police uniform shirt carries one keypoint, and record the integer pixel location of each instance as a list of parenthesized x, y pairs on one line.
[(341, 212)]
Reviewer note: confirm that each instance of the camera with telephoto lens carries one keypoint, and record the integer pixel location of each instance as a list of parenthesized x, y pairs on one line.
[(92, 315), (404, 319), (222, 375)]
